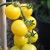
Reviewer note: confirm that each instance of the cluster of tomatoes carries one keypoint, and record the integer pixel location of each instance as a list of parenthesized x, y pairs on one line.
[(23, 30)]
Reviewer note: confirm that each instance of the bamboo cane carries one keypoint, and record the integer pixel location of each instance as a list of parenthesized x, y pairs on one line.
[(3, 29)]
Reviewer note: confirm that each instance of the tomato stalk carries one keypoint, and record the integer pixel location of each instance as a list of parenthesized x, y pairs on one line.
[(22, 13), (7, 3), (29, 42), (26, 36)]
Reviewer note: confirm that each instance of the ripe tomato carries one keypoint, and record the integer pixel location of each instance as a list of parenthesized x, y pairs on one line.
[(28, 47), (12, 12), (27, 11), (35, 23), (20, 41), (18, 28), (34, 38), (15, 48)]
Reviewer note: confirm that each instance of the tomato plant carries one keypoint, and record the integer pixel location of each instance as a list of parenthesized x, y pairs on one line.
[(27, 11), (23, 31)]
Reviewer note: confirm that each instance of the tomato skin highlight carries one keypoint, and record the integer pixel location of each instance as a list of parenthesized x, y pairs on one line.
[(18, 28), (28, 47), (20, 41), (12, 12)]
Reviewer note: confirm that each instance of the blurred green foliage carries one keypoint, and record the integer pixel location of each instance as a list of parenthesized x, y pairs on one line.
[(48, 4), (42, 10), (0, 48)]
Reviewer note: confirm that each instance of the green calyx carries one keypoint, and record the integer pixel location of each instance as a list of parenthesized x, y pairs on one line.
[(29, 5), (32, 33), (29, 23), (26, 36)]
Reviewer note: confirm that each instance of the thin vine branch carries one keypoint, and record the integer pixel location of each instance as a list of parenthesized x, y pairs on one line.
[(7, 3), (22, 14)]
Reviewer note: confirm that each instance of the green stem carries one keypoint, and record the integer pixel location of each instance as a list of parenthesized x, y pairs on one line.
[(12, 2), (23, 14), (7, 3), (29, 42)]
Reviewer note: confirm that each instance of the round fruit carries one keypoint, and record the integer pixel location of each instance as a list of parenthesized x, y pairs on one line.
[(15, 48), (29, 47), (12, 12), (34, 38), (34, 22), (18, 28), (27, 11), (20, 41)]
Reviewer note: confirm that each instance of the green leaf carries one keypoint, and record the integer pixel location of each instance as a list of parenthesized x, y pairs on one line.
[(48, 4), (0, 48)]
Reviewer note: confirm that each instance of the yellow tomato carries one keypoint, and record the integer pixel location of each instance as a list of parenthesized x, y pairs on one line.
[(27, 11), (20, 41), (29, 47), (35, 22), (12, 12), (15, 48), (34, 38), (18, 28)]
